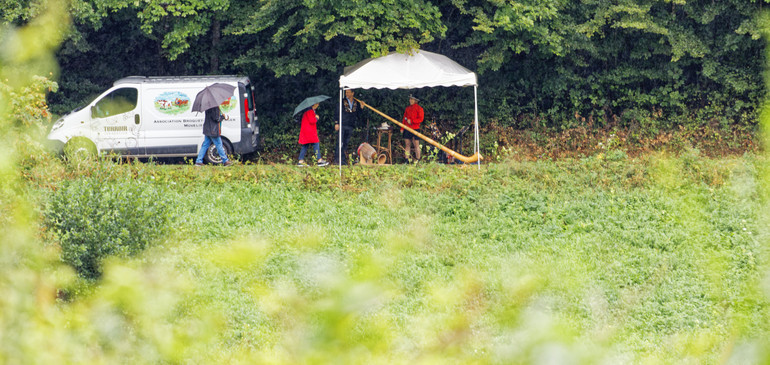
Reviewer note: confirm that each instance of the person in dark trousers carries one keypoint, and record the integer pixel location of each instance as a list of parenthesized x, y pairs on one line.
[(212, 130), (351, 113), (308, 135)]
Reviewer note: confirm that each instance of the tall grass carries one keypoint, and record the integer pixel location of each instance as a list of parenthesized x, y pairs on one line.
[(657, 259)]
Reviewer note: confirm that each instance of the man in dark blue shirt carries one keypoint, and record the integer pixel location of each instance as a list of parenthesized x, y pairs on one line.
[(351, 110)]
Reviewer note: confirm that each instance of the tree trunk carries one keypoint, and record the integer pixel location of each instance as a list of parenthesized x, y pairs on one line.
[(162, 58), (216, 36)]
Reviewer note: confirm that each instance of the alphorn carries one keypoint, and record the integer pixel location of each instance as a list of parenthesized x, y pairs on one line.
[(454, 154)]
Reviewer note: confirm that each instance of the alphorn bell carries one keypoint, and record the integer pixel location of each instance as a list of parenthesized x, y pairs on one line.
[(471, 159)]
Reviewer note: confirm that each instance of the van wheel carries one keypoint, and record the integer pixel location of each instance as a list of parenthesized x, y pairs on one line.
[(212, 156), (79, 148)]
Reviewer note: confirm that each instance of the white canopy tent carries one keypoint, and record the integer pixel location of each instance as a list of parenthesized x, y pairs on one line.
[(404, 71)]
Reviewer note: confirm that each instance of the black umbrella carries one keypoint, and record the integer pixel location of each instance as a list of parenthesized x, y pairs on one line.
[(212, 96), (309, 102)]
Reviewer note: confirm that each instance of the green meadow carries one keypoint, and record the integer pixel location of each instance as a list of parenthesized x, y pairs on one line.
[(656, 259)]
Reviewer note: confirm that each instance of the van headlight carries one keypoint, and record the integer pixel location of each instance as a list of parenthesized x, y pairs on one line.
[(59, 123)]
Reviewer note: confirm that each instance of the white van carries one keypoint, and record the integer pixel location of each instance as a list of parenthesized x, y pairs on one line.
[(152, 116)]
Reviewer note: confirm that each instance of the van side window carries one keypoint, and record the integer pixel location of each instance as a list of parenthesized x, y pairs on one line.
[(118, 101), (246, 91)]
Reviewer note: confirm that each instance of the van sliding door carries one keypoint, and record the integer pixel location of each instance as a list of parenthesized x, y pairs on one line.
[(171, 127)]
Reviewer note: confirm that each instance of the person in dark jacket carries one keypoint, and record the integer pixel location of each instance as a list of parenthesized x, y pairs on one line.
[(212, 130), (351, 113)]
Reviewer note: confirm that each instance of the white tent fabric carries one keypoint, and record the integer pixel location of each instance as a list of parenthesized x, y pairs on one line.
[(403, 71)]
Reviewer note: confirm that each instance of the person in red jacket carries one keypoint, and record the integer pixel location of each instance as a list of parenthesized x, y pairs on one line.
[(413, 116), (308, 135)]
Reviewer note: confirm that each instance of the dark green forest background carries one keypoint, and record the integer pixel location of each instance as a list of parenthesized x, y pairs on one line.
[(554, 64)]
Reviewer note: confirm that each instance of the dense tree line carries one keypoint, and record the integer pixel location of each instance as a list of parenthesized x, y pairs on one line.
[(646, 64)]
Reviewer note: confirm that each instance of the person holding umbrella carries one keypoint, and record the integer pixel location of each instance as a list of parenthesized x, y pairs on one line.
[(209, 100), (212, 130), (308, 134)]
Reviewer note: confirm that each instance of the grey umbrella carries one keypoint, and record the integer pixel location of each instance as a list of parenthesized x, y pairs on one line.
[(211, 96), (309, 102)]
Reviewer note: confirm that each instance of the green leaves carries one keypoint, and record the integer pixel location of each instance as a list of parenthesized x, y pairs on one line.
[(544, 60), (504, 29), (295, 35), (94, 220)]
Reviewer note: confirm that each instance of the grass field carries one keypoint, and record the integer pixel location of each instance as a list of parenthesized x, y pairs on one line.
[(652, 260)]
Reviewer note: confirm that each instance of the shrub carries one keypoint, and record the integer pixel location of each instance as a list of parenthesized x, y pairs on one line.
[(27, 119), (94, 219)]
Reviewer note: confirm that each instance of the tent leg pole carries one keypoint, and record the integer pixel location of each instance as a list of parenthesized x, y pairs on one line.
[(476, 122), (339, 138)]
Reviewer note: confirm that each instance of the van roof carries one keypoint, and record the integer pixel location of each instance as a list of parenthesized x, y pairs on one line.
[(167, 79)]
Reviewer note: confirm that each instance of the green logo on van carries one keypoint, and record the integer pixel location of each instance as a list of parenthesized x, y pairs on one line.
[(228, 105), (172, 103)]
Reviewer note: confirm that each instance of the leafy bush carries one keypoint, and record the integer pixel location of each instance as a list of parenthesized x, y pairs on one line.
[(94, 219), (28, 118)]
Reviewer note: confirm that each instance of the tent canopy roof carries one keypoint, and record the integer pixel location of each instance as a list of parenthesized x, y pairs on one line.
[(403, 71)]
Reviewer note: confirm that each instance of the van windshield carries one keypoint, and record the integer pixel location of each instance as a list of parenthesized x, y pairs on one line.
[(116, 102)]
